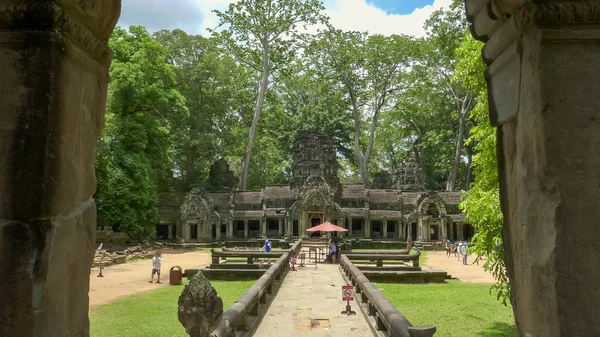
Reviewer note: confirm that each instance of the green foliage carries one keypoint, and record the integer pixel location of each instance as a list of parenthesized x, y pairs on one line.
[(482, 203), (130, 316), (143, 108), (456, 308)]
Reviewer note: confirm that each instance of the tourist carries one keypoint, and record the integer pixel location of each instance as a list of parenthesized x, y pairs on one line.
[(156, 263), (464, 252), (332, 251), (459, 249), (448, 248), (267, 248)]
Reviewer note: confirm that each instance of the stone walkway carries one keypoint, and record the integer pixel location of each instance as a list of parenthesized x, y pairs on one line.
[(309, 304)]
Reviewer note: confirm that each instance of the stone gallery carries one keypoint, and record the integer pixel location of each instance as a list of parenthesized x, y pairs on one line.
[(400, 210)]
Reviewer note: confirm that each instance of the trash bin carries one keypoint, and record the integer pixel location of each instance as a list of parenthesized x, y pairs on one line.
[(175, 275)]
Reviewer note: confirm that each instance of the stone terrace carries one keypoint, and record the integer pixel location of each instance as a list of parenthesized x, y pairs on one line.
[(309, 304)]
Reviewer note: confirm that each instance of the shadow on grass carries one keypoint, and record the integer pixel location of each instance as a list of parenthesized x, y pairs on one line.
[(500, 329)]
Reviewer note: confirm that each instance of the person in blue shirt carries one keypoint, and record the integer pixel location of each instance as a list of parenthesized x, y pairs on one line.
[(267, 248), (332, 252)]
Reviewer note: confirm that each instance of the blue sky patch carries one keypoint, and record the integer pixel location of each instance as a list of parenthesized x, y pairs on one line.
[(399, 6)]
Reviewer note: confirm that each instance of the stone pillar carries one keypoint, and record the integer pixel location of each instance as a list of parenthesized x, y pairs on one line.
[(409, 230), (245, 228), (400, 232), (218, 231), (54, 58), (349, 226), (342, 223), (169, 231), (385, 229), (230, 229), (444, 232), (263, 227), (280, 227), (543, 77), (367, 229)]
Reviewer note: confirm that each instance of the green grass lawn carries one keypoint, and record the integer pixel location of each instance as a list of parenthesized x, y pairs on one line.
[(154, 313), (458, 309)]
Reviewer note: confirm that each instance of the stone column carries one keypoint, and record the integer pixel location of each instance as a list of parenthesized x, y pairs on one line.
[(543, 77), (349, 226), (342, 223), (54, 58), (385, 229), (367, 229), (280, 227), (169, 231), (218, 231), (409, 230), (444, 232), (245, 228), (230, 229), (263, 227)]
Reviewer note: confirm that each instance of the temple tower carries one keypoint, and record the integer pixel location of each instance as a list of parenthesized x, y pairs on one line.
[(314, 156)]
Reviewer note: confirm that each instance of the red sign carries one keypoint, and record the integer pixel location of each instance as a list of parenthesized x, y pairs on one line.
[(347, 294), (293, 260)]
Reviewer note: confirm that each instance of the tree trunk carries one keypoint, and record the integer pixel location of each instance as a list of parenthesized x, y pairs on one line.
[(469, 177), (364, 174), (451, 183), (357, 152), (262, 91)]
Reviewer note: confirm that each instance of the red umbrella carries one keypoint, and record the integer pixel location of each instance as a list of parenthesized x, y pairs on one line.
[(327, 227)]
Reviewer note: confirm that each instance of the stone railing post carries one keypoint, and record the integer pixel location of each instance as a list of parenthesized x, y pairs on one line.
[(54, 58), (543, 81)]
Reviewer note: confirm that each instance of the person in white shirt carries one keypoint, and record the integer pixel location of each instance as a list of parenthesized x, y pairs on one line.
[(464, 252), (156, 263)]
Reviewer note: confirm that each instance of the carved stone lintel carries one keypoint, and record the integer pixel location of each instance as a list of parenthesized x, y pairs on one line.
[(87, 23)]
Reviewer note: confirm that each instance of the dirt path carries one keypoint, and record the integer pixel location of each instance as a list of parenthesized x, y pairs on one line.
[(472, 273), (132, 277)]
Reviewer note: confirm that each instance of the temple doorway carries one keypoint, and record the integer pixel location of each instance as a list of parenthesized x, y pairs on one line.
[(213, 231), (194, 232), (295, 228), (435, 232), (315, 219)]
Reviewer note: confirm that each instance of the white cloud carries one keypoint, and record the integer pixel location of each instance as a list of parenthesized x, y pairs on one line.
[(344, 14), (360, 16)]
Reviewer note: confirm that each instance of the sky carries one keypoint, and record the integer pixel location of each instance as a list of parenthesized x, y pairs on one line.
[(375, 16)]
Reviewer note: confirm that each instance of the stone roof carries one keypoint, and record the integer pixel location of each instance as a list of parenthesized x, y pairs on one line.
[(249, 197), (411, 197), (359, 212), (221, 199), (451, 198), (353, 191), (248, 214), (278, 192), (379, 214), (384, 196), (457, 217), (275, 212)]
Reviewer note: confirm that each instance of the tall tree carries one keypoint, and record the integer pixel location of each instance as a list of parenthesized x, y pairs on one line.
[(369, 69), (481, 203), (142, 107), (262, 34), (214, 86), (446, 29)]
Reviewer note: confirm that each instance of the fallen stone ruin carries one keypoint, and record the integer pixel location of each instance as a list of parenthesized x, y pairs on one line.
[(107, 257)]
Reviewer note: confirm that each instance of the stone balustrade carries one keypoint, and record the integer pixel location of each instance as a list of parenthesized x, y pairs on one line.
[(242, 318), (251, 256), (380, 257), (382, 314)]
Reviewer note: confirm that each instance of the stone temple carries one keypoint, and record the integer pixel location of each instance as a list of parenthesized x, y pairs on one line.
[(401, 210)]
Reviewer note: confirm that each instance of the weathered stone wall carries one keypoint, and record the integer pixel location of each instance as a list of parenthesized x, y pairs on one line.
[(54, 59), (543, 78)]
